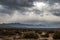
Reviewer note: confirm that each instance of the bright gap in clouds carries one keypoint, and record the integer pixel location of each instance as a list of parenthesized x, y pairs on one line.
[(40, 5), (1, 7)]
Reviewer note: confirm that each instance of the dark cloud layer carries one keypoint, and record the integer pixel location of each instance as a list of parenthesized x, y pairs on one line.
[(23, 5), (56, 12), (11, 5), (16, 3), (8, 11), (53, 10), (53, 1), (49, 1)]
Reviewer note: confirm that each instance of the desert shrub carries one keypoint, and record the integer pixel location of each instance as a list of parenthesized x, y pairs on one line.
[(9, 33), (38, 32), (6, 33), (31, 36), (56, 35), (50, 32)]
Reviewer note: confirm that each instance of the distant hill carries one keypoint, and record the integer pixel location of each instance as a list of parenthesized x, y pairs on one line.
[(19, 25)]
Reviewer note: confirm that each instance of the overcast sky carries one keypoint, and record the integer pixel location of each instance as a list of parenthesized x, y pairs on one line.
[(29, 11)]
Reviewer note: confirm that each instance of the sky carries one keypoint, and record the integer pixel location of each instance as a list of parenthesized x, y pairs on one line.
[(30, 11)]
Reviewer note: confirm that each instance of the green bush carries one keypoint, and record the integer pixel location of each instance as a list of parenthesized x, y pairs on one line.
[(31, 36), (56, 35), (38, 32), (50, 32)]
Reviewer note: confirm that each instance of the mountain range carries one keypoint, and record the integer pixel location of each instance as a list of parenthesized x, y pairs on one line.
[(19, 25)]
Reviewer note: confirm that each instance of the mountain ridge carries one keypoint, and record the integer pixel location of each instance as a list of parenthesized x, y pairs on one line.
[(19, 25)]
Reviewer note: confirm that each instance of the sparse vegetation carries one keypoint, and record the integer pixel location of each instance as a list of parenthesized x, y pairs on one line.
[(31, 36), (56, 35), (27, 34)]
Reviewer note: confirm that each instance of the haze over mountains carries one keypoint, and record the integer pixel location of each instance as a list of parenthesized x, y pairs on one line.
[(20, 25)]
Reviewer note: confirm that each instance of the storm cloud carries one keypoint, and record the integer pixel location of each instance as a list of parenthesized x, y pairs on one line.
[(22, 5), (16, 4), (11, 5), (29, 10)]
